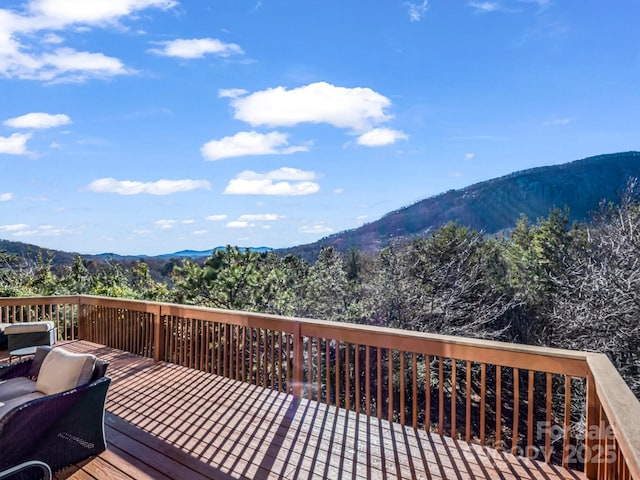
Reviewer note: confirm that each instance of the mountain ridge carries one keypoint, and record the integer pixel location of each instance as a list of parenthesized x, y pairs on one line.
[(494, 205)]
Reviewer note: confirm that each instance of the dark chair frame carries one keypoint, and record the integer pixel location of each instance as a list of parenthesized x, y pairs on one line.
[(60, 429)]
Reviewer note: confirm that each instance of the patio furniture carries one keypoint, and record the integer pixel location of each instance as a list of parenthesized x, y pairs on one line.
[(11, 472), (3, 337), (22, 352), (52, 409), (29, 334)]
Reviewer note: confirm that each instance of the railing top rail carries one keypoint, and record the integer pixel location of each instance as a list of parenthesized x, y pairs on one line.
[(49, 300), (621, 406)]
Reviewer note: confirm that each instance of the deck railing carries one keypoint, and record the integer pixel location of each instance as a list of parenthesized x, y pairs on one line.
[(560, 406)]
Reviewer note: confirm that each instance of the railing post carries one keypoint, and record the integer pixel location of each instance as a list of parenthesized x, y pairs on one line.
[(158, 334), (592, 430), (82, 321), (298, 362)]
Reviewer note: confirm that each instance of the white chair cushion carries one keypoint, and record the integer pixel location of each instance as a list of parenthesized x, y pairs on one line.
[(62, 370), (28, 327)]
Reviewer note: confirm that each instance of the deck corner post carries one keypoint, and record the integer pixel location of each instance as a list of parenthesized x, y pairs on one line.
[(590, 440), (298, 368), (158, 334), (82, 320)]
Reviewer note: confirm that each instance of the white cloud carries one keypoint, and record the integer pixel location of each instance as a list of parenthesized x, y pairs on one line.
[(239, 224), (216, 218), (485, 7), (417, 10), (16, 144), (493, 6), (231, 92), (38, 120), (69, 65), (5, 197), (249, 143), (14, 227), (188, 221), (355, 108), (339, 191), (259, 217), (165, 224), (196, 48), (24, 230), (316, 229), (381, 136), (283, 182), (160, 187), (56, 13), (26, 54), (469, 156), (199, 232)]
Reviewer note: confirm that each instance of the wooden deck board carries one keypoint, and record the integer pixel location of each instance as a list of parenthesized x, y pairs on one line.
[(169, 422)]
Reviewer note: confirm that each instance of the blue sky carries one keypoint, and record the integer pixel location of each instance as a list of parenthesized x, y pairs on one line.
[(151, 126)]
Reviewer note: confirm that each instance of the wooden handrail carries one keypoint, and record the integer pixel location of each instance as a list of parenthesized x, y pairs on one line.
[(351, 366), (622, 411)]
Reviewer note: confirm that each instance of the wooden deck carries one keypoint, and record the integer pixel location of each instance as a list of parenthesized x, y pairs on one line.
[(170, 422)]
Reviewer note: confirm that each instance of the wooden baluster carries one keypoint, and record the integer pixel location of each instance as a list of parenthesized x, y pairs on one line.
[(327, 356), (357, 376), (440, 396), (516, 411), (379, 381), (549, 410), (453, 397), (318, 370), (289, 364), (390, 387), (467, 427), (265, 358), (337, 374), (402, 389), (567, 421), (530, 423), (414, 390), (280, 360), (427, 390), (498, 444), (347, 373), (367, 379), (483, 401)]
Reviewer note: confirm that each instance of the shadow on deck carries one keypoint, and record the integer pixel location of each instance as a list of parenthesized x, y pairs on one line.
[(170, 422)]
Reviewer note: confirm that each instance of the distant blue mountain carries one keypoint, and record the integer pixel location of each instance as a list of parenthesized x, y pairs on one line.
[(167, 256), (207, 253)]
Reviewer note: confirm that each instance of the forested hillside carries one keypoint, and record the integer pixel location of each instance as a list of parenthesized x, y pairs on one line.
[(495, 205), (551, 282)]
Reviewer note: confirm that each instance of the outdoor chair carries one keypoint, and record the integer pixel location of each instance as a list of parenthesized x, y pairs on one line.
[(52, 409), (29, 334)]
